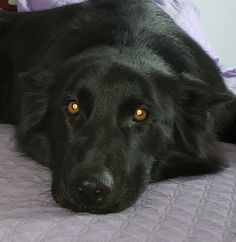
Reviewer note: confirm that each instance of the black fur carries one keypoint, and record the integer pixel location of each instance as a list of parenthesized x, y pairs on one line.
[(112, 56)]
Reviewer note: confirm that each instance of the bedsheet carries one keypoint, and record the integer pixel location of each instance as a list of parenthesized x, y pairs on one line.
[(195, 209)]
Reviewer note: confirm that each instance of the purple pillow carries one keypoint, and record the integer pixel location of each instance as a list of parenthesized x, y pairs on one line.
[(184, 12)]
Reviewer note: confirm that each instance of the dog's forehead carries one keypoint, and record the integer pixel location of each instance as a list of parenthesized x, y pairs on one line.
[(113, 81), (116, 72)]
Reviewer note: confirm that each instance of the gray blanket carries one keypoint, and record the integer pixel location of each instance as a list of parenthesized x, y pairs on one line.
[(196, 209)]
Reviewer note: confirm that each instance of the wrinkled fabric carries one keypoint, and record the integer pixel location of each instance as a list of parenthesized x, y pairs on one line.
[(184, 12), (35, 5), (228, 73)]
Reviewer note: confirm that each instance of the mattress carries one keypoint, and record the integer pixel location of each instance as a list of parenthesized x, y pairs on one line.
[(193, 209)]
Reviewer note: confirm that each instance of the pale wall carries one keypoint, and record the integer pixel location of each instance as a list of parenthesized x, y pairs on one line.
[(219, 22)]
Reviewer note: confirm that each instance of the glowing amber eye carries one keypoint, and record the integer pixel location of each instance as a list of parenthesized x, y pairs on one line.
[(73, 107), (140, 114)]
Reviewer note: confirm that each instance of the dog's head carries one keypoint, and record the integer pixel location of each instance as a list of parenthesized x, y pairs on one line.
[(102, 123)]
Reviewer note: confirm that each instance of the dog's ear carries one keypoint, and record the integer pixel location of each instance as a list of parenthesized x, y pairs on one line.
[(34, 101), (197, 95)]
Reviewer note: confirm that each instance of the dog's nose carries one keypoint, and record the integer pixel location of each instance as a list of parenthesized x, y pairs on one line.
[(93, 190)]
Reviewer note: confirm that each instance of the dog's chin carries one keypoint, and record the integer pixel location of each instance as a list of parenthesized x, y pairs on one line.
[(106, 209)]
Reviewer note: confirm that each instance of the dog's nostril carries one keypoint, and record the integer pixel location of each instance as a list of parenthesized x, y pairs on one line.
[(99, 199), (80, 189), (90, 191), (97, 191)]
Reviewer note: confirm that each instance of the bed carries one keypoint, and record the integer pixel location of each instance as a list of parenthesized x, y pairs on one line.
[(193, 209)]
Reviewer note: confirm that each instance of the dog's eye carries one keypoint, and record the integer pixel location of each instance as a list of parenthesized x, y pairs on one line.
[(73, 107), (140, 115)]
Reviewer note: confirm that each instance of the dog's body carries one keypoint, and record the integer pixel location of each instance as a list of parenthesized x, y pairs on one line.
[(111, 57)]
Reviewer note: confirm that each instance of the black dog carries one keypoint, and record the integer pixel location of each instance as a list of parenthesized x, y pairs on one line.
[(111, 95)]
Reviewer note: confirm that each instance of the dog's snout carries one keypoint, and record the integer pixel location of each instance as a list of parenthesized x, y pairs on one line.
[(93, 189)]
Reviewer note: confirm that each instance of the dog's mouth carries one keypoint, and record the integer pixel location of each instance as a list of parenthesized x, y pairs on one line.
[(71, 205)]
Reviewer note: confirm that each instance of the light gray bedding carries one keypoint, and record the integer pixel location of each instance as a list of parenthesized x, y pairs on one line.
[(196, 209)]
